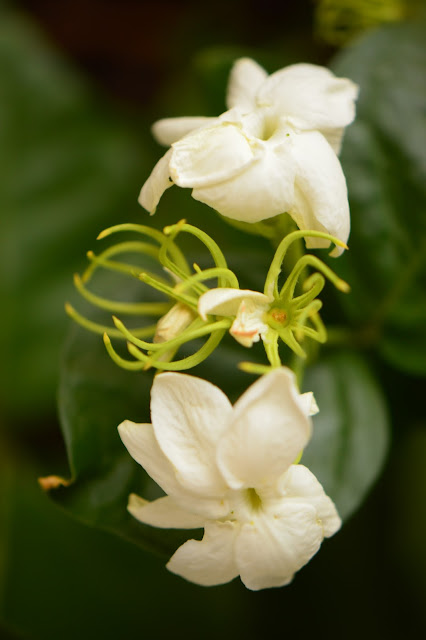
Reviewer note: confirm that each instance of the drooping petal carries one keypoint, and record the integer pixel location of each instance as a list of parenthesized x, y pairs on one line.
[(269, 550), (210, 561), (262, 190), (169, 130), (244, 80), (226, 302), (308, 403), (321, 200), (299, 484), (268, 430), (164, 513), (189, 416), (311, 95), (210, 155), (156, 185), (141, 443)]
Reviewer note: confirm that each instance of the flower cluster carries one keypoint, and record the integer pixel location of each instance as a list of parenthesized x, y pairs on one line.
[(268, 162)]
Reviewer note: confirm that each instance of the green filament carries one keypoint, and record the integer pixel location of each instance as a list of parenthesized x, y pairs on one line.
[(130, 308), (95, 327)]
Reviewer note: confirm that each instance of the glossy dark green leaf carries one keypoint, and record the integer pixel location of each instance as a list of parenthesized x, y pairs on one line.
[(384, 159), (60, 579), (95, 396), (68, 168), (351, 430)]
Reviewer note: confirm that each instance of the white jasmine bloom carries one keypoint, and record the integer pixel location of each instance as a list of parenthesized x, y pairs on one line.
[(230, 470), (274, 151), (248, 307)]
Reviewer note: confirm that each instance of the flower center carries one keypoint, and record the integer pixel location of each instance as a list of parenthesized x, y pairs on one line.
[(254, 499), (279, 315), (277, 318), (270, 124)]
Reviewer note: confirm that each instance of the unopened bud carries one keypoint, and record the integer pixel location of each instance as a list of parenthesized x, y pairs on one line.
[(176, 320)]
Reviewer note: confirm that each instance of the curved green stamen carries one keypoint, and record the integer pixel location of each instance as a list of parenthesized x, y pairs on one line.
[(209, 243), (119, 267), (176, 253), (186, 363), (271, 282), (130, 308), (153, 282), (227, 277), (122, 247), (289, 286), (101, 329)]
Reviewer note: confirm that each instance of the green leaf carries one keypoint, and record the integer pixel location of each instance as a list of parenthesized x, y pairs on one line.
[(53, 569), (351, 431), (95, 396), (384, 160), (68, 169)]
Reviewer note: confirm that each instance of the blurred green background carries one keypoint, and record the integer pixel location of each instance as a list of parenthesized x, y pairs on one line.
[(80, 83)]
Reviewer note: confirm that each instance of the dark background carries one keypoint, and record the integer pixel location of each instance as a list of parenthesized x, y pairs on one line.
[(62, 580)]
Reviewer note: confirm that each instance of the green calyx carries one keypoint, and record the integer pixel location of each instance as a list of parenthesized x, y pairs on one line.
[(292, 316), (177, 314)]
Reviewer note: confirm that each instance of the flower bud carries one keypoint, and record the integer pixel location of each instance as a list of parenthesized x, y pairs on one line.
[(176, 320)]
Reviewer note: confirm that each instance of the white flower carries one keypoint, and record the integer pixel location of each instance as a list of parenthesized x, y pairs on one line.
[(248, 307), (230, 470), (274, 151)]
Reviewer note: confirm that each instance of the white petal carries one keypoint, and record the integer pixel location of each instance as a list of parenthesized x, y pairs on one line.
[(301, 485), (156, 185), (189, 416), (210, 155), (164, 513), (321, 200), (334, 138), (226, 302), (210, 561), (244, 80), (269, 550), (142, 445), (169, 130), (262, 190), (311, 95), (140, 441), (268, 430), (249, 326), (308, 403)]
